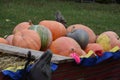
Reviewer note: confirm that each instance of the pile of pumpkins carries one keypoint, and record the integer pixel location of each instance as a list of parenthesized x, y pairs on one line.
[(53, 35)]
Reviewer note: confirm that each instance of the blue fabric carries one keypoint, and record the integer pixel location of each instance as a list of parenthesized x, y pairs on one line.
[(18, 74), (53, 67), (13, 75), (95, 60), (116, 55), (84, 61), (105, 56)]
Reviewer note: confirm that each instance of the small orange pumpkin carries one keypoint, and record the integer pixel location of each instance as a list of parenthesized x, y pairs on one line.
[(92, 35), (21, 26), (27, 39), (113, 38), (65, 46), (4, 41), (111, 33), (118, 43), (10, 39), (108, 40), (95, 47), (57, 28)]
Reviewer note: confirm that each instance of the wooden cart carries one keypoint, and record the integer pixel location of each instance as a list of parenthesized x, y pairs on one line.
[(68, 69)]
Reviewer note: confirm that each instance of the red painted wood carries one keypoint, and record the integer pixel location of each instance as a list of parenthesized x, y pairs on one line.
[(107, 70)]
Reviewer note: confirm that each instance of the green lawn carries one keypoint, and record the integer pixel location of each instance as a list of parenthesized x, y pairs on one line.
[(99, 17)]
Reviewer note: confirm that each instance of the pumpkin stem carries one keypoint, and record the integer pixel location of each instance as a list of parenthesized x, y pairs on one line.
[(60, 18), (30, 22), (73, 50), (73, 29)]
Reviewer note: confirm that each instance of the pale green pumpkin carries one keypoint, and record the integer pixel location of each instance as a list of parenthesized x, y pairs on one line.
[(45, 35)]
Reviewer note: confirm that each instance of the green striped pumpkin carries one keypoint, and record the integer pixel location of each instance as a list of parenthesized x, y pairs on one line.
[(45, 35)]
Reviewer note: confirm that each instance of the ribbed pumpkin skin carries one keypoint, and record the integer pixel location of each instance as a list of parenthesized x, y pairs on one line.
[(10, 39), (111, 33), (81, 36), (21, 26), (57, 28), (4, 41), (45, 35), (118, 43), (64, 46), (27, 39), (92, 35)]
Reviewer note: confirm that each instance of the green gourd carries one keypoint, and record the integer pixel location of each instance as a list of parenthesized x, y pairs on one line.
[(81, 36), (45, 35)]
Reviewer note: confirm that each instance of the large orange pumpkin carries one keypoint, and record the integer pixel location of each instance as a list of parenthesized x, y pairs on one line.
[(57, 28), (21, 26), (4, 41), (27, 39), (10, 39), (65, 46), (92, 35)]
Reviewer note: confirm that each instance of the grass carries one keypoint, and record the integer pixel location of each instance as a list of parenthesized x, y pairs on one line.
[(99, 17)]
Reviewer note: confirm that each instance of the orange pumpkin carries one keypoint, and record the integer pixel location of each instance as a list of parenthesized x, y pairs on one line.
[(111, 33), (65, 46), (95, 47), (9, 39), (113, 38), (118, 43), (27, 39), (92, 35), (57, 28), (21, 26), (108, 40), (4, 41)]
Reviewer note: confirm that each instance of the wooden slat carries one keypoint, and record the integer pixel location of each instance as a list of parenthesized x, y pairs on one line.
[(13, 50)]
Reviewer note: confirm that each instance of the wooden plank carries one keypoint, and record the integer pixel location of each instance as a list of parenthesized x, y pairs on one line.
[(13, 50)]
